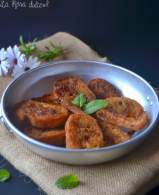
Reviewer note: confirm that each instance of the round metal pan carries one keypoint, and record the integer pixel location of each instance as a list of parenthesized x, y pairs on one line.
[(39, 81)]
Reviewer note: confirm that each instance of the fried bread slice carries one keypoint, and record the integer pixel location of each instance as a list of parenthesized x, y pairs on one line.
[(83, 131), (42, 115), (103, 89), (71, 86), (124, 112)]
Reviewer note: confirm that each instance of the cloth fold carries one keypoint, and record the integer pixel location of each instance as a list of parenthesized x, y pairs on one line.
[(132, 174)]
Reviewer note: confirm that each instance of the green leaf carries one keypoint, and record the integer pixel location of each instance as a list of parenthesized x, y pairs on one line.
[(27, 48), (67, 182), (30, 49), (80, 100), (4, 175), (51, 52), (94, 106)]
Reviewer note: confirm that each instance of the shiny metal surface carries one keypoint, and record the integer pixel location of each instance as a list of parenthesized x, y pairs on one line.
[(1, 117), (40, 81)]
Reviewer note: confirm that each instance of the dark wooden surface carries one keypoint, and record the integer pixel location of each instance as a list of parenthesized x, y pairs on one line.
[(125, 31)]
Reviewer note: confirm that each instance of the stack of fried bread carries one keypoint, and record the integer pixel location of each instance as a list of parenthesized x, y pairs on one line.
[(55, 120)]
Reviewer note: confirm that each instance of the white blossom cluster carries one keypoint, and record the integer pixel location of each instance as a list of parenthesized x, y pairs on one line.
[(14, 63)]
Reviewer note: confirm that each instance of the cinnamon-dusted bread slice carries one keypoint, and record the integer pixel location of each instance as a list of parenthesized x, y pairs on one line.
[(71, 86), (42, 115), (83, 131), (103, 89)]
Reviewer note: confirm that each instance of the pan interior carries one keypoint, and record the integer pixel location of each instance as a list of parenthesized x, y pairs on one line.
[(40, 81)]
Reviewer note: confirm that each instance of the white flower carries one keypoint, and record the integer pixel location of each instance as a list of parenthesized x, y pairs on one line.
[(15, 57), (3, 55), (30, 63), (14, 63), (4, 66)]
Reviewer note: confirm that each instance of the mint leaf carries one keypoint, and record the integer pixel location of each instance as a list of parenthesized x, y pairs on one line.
[(4, 175), (80, 100), (67, 182), (94, 106)]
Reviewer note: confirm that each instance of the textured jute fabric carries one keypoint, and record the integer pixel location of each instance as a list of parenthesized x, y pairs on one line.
[(132, 174)]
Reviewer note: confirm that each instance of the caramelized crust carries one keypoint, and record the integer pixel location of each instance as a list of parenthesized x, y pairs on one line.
[(124, 112), (71, 86), (82, 131), (124, 106), (103, 89), (42, 115)]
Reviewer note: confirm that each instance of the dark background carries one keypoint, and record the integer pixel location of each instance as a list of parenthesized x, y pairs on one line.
[(127, 31)]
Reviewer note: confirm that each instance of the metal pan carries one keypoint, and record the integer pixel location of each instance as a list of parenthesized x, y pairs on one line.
[(39, 81)]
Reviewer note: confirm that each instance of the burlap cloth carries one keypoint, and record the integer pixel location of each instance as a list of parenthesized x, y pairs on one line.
[(132, 174)]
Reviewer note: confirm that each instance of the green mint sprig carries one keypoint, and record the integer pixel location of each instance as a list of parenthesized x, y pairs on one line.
[(94, 106), (80, 100), (4, 175), (89, 107), (67, 182)]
